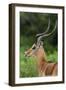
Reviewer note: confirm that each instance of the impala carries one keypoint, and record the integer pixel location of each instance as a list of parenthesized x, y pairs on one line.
[(44, 67)]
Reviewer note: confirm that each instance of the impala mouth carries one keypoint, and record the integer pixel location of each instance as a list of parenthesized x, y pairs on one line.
[(26, 55)]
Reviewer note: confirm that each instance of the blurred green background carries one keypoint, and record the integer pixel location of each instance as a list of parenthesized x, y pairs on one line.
[(30, 25)]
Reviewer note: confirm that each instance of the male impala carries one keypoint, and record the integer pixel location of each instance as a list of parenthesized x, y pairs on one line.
[(44, 67)]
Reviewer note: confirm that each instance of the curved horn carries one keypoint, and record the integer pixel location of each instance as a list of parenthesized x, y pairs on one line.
[(45, 35), (45, 30)]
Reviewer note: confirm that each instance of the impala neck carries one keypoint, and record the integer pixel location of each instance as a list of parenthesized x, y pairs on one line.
[(41, 60), (41, 54)]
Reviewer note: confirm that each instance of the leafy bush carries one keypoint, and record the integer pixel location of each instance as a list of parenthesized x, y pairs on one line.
[(53, 56)]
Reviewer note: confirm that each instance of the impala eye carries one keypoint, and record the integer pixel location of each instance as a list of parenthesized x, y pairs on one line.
[(34, 47)]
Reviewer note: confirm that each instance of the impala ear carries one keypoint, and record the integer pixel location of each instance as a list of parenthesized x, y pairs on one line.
[(41, 43)]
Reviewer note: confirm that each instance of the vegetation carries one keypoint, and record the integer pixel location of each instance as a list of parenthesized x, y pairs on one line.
[(28, 66), (30, 25)]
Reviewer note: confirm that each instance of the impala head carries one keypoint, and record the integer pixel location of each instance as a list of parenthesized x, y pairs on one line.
[(33, 51), (37, 48)]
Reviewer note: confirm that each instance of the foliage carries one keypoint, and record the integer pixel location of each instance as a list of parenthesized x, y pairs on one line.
[(52, 56)]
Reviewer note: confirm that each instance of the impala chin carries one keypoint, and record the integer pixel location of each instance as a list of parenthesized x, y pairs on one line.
[(25, 54)]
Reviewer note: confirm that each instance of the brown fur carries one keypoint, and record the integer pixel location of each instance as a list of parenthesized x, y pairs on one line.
[(44, 68)]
